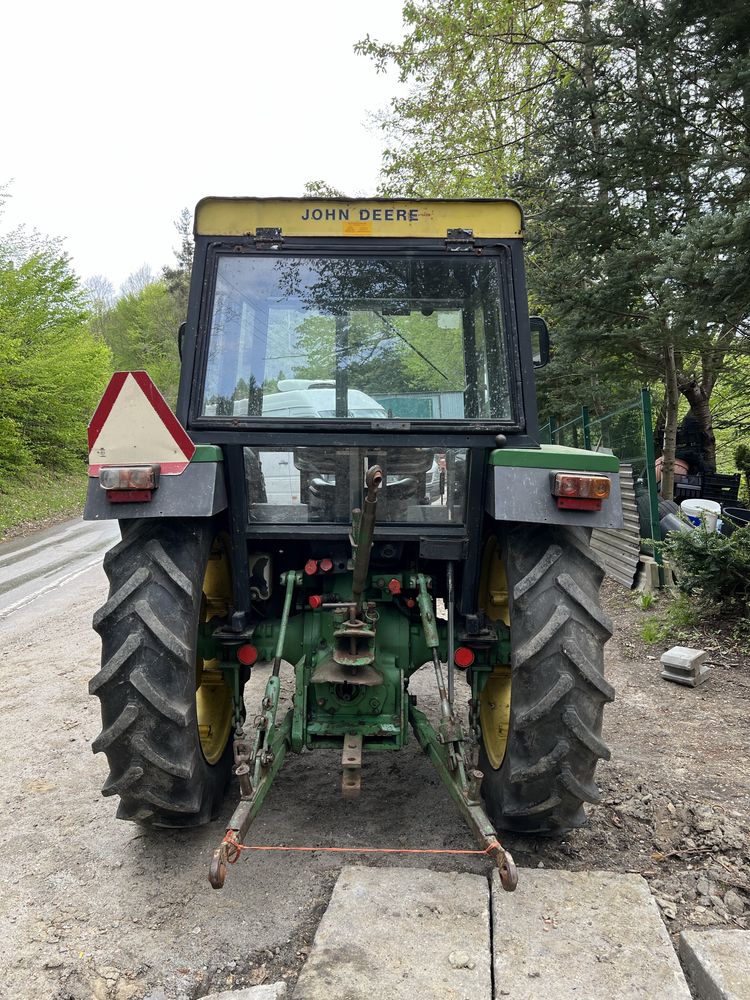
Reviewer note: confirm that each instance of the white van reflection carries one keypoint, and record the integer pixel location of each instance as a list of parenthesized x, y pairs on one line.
[(313, 399), (308, 399)]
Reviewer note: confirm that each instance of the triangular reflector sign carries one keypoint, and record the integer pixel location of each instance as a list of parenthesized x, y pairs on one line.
[(133, 425)]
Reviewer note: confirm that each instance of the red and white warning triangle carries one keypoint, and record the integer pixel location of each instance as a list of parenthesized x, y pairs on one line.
[(133, 425)]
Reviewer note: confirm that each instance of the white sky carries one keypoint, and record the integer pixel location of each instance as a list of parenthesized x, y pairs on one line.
[(117, 115)]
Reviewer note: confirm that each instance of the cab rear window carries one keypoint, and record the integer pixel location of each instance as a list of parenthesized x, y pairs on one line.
[(357, 338)]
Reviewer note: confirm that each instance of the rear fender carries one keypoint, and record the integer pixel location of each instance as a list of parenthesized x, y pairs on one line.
[(519, 486), (199, 491)]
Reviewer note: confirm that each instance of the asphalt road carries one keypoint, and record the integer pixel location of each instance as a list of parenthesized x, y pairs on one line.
[(34, 566), (94, 907)]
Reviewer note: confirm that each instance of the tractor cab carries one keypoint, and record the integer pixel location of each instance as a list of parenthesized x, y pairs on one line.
[(326, 338)]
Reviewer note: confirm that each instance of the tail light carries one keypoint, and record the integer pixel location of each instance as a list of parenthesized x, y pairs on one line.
[(129, 483), (575, 492)]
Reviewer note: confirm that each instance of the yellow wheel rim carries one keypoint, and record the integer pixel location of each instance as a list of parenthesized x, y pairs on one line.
[(494, 701), (213, 696)]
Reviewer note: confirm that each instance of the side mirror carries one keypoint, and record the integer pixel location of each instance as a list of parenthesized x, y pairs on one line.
[(539, 341), (181, 337)]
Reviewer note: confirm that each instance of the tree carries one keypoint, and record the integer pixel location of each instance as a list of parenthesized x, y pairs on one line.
[(137, 281), (101, 297), (641, 241), (177, 279), (625, 131), (322, 189), (480, 74), (52, 369), (141, 331)]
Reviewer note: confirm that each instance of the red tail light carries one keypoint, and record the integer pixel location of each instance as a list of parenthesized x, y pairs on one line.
[(575, 492)]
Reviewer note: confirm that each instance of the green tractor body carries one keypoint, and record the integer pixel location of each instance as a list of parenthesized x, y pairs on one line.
[(352, 488)]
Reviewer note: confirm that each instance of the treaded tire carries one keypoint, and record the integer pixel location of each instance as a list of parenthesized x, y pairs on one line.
[(146, 684), (558, 690)]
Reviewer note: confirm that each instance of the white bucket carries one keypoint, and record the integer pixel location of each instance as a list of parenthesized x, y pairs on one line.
[(695, 510)]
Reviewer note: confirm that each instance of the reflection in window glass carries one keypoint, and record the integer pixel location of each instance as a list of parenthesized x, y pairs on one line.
[(357, 338), (308, 485)]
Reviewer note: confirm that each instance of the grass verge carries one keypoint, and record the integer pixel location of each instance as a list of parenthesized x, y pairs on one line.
[(40, 495)]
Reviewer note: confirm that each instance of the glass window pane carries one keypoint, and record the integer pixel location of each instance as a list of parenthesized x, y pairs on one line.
[(357, 338), (323, 485)]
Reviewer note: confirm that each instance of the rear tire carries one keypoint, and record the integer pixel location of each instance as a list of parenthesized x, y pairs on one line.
[(558, 690), (147, 681)]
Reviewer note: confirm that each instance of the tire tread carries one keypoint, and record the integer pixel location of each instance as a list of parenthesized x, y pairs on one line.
[(558, 632)]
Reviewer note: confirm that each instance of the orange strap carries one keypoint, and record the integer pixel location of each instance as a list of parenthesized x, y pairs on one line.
[(238, 847)]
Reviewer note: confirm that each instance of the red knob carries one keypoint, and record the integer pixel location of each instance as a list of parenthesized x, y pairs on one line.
[(315, 600), (326, 565), (394, 586), (311, 567)]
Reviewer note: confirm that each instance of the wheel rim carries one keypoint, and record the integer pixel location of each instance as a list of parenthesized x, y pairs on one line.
[(494, 701), (213, 696)]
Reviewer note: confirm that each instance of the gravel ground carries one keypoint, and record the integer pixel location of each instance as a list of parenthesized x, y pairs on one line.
[(92, 907)]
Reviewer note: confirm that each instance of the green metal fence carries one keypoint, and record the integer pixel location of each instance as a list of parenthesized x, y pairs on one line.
[(626, 432)]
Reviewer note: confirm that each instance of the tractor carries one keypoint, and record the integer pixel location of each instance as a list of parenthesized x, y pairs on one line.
[(351, 488)]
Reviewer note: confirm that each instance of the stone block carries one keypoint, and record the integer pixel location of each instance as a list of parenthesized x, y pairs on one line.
[(649, 579), (683, 656), (401, 934), (685, 666), (569, 935), (717, 963)]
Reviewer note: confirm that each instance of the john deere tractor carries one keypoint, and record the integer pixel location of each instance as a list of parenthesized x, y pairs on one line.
[(352, 488)]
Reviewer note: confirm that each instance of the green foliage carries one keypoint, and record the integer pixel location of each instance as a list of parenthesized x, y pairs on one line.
[(52, 368), (645, 600), (680, 615), (481, 72), (654, 630), (622, 128), (141, 331), (38, 493), (141, 326), (683, 613), (177, 278), (742, 461), (321, 189), (712, 568)]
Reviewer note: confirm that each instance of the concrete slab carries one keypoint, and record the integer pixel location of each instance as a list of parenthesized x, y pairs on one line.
[(718, 963), (574, 935), (267, 991), (401, 934)]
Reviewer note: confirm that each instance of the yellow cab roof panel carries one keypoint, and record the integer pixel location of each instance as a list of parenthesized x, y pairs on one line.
[(378, 217)]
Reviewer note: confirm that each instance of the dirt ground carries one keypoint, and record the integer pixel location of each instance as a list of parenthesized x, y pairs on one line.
[(676, 793), (91, 907)]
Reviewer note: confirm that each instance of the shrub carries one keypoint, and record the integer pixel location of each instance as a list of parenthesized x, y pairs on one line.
[(711, 566), (742, 461)]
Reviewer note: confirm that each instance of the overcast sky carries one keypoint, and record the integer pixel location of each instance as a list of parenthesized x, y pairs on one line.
[(117, 115)]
